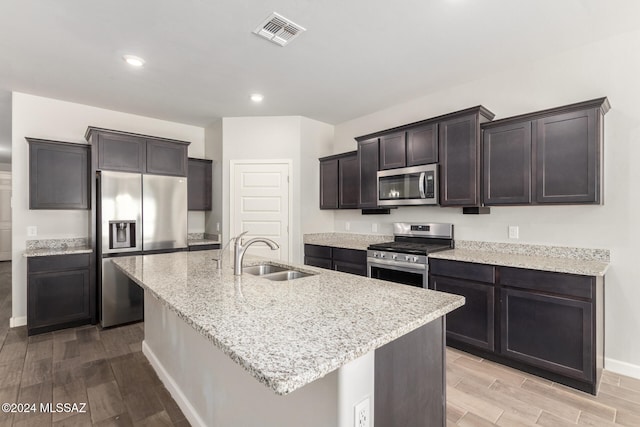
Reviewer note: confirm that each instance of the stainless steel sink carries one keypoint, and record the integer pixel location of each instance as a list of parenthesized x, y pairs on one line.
[(262, 269), (275, 272), (287, 275)]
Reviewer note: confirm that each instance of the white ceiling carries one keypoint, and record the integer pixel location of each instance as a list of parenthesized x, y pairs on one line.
[(356, 56)]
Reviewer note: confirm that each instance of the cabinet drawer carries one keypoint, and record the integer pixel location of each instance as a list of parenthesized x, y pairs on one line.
[(463, 270), (317, 251), (350, 267), (545, 281), (57, 262), (350, 255)]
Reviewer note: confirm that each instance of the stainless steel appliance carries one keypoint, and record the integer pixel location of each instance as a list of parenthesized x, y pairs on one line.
[(136, 214), (405, 259), (416, 185)]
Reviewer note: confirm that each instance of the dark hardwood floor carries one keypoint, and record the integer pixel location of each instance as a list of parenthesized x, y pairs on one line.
[(105, 369)]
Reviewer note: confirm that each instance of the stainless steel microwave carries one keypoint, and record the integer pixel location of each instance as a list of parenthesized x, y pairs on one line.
[(416, 185)]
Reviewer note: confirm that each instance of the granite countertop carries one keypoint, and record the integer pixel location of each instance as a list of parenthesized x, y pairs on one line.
[(49, 247), (587, 262), (346, 240), (285, 334)]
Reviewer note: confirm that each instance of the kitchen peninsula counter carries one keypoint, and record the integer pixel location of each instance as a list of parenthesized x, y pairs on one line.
[(285, 334)]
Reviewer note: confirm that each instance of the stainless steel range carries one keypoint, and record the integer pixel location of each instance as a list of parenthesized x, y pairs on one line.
[(405, 259)]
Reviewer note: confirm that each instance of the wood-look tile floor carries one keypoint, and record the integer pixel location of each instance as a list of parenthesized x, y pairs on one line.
[(107, 370), (483, 393)]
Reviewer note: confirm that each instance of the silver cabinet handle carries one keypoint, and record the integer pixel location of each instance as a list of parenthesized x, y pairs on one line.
[(421, 185)]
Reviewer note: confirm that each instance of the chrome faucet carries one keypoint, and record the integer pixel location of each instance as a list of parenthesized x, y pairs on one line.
[(239, 250)]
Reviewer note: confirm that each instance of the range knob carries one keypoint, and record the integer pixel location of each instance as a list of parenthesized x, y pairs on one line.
[(375, 254), (382, 254), (407, 258), (394, 256), (415, 259)]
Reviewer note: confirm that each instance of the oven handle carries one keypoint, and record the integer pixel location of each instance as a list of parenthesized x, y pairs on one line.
[(421, 185), (396, 265)]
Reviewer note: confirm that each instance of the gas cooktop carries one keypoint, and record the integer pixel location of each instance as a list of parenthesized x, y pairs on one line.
[(414, 248)]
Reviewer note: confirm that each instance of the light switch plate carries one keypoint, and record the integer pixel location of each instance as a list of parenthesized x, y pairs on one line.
[(347, 226), (374, 228), (514, 232)]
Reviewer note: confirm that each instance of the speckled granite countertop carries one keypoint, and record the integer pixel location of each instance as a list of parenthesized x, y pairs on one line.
[(587, 262), (285, 334), (199, 239), (346, 240), (49, 247)]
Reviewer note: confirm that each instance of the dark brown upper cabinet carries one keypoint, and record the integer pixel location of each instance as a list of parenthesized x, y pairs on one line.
[(548, 157), (166, 158), (130, 152), (368, 162), (59, 175), (199, 184), (349, 181), (507, 164), (393, 151), (339, 181), (422, 145), (459, 152)]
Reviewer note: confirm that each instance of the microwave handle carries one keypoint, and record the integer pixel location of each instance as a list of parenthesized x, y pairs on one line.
[(421, 185)]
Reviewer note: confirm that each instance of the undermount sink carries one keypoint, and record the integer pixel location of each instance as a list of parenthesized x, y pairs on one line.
[(287, 275), (275, 272), (262, 269)]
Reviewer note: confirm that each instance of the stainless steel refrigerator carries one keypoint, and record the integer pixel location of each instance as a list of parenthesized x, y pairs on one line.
[(136, 214)]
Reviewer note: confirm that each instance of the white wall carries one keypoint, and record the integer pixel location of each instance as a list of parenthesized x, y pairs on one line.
[(246, 138), (607, 68), (47, 118)]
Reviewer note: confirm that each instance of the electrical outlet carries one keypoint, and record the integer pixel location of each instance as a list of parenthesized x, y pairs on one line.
[(361, 415), (32, 231), (374, 228), (514, 232), (217, 226), (347, 226)]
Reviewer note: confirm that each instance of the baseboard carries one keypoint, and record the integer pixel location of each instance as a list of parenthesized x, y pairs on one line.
[(623, 368), (189, 411), (14, 322)]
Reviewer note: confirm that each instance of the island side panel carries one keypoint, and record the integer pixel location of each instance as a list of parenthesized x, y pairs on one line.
[(213, 390), (410, 387)]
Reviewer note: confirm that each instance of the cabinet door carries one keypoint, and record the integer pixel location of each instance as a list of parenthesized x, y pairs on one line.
[(58, 298), (199, 185), (318, 262), (473, 323), (368, 159), (121, 153), (329, 184), (349, 182), (393, 151), (550, 332), (507, 164), (349, 267), (166, 158), (422, 145), (568, 158), (58, 175), (459, 163)]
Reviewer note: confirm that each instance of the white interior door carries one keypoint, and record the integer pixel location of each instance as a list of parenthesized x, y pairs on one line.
[(260, 205), (5, 216)]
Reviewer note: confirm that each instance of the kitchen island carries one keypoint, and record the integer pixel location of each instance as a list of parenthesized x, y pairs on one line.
[(315, 343)]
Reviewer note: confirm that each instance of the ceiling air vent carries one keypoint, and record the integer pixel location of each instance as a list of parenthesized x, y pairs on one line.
[(278, 29)]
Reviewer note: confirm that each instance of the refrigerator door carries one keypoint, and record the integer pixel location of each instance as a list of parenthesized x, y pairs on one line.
[(164, 209), (120, 202)]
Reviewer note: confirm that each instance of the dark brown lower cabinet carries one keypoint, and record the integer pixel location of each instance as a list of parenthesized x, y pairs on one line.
[(339, 259), (410, 387), (194, 248), (546, 323), (473, 322), (550, 332), (59, 292)]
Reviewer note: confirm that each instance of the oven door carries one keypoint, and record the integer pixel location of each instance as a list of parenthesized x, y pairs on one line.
[(398, 272)]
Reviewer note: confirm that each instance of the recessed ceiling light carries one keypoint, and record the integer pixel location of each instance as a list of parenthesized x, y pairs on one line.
[(256, 97), (134, 61)]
